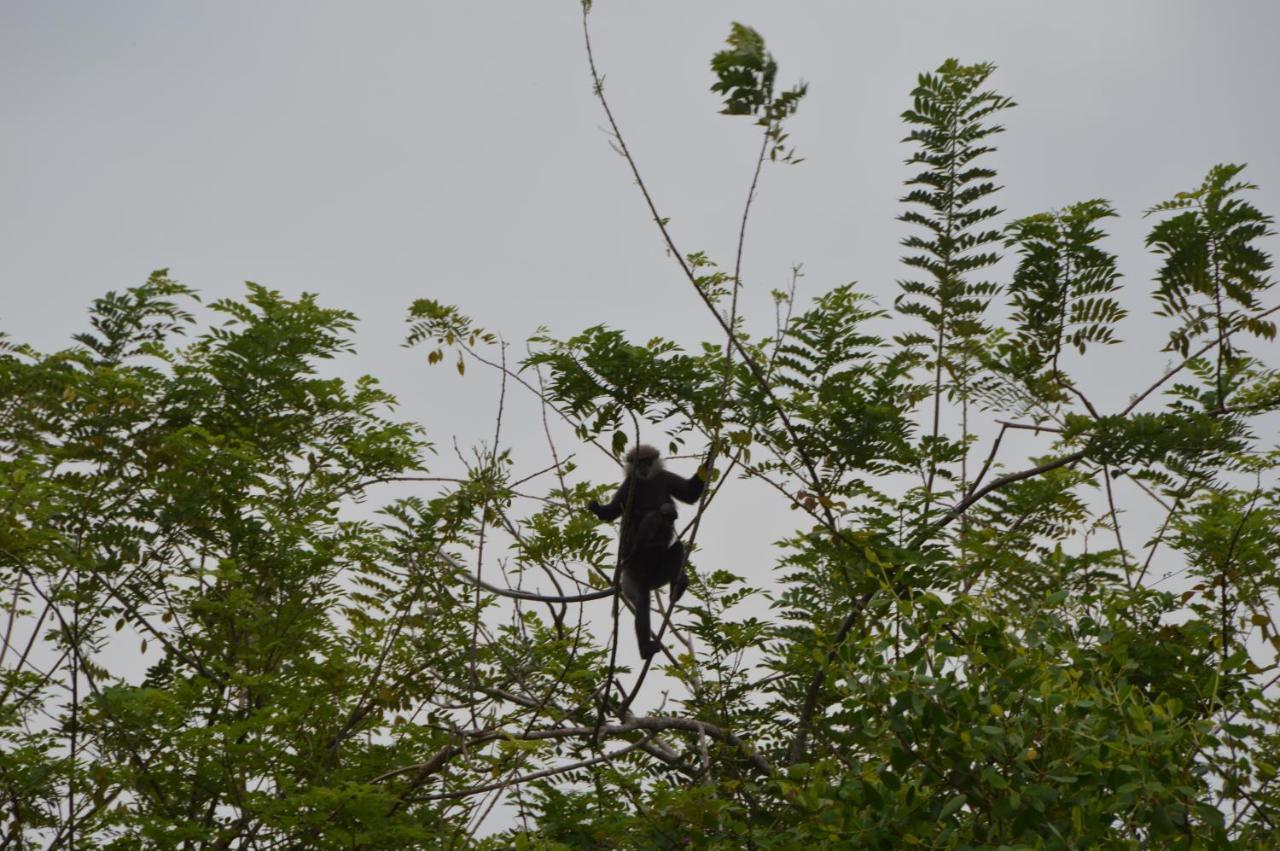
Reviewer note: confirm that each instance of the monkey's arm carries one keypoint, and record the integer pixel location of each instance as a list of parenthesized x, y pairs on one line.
[(685, 490), (611, 510)]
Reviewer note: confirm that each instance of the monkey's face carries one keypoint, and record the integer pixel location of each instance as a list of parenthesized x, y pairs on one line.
[(643, 462), (647, 467)]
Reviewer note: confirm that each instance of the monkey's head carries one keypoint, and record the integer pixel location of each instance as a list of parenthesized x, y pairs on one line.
[(644, 461)]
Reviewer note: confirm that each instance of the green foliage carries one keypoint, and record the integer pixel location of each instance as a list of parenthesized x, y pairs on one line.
[(1213, 272), (745, 77), (1061, 291), (606, 384), (850, 396), (950, 120), (429, 320), (193, 511), (126, 324), (1182, 440)]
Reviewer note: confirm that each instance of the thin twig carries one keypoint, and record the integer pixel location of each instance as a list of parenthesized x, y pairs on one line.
[(752, 366), (489, 476), (1115, 525), (990, 457), (1155, 543)]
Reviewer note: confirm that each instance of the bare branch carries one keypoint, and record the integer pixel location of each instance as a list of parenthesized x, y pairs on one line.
[(754, 368), (467, 576), (1197, 353)]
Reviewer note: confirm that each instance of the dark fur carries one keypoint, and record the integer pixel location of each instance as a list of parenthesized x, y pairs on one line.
[(650, 555)]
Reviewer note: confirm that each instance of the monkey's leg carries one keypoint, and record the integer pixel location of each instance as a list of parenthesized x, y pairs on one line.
[(637, 592), (673, 570)]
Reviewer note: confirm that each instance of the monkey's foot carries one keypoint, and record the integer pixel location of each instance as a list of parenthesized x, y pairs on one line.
[(678, 585), (649, 648)]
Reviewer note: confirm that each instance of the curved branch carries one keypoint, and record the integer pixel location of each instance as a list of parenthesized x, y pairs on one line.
[(651, 724), (524, 595), (430, 766), (996, 484), (656, 724), (655, 746), (536, 775), (539, 598)]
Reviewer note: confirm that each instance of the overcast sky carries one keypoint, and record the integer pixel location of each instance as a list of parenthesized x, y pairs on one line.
[(375, 153)]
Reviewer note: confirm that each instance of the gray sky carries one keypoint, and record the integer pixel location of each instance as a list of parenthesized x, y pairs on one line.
[(379, 152)]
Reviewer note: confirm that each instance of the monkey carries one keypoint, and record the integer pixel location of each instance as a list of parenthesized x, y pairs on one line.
[(649, 555)]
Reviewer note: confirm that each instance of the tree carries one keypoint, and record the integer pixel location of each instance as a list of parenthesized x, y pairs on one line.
[(952, 658)]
